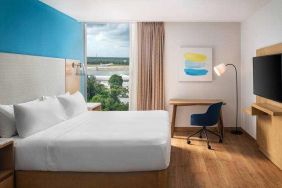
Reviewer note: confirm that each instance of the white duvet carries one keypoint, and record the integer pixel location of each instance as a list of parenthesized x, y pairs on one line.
[(99, 142)]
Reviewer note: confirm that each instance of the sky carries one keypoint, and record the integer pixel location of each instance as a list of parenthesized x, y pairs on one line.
[(108, 40)]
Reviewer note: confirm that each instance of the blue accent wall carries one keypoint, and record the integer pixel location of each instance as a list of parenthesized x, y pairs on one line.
[(33, 28)]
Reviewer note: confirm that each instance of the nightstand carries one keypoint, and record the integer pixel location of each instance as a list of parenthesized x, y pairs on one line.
[(94, 106), (6, 163)]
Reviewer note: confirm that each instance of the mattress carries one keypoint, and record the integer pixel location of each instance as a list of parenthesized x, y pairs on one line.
[(99, 142)]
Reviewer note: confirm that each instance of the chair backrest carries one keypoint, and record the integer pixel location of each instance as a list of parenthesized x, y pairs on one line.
[(213, 112)]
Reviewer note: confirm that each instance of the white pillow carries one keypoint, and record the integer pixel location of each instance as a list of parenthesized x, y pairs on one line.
[(7, 121), (48, 97), (35, 116), (73, 104)]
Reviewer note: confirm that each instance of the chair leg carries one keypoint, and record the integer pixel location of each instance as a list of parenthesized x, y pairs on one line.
[(208, 142), (201, 136), (220, 139), (199, 131)]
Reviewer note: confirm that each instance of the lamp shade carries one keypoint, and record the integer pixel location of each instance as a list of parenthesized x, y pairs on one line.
[(220, 69)]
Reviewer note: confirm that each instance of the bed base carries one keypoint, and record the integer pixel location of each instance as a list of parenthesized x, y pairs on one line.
[(47, 179)]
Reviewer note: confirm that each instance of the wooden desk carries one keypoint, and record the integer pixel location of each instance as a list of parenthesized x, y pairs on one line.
[(193, 102)]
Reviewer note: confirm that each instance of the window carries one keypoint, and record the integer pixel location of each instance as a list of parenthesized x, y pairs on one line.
[(108, 65)]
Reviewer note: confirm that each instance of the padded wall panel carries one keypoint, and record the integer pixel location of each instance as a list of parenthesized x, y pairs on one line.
[(24, 78)]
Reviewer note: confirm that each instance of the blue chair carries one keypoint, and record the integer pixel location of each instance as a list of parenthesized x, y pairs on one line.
[(205, 120)]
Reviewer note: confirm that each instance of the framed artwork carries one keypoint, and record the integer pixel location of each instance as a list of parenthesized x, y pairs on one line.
[(195, 64)]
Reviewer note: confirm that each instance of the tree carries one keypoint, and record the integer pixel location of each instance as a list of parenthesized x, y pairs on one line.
[(94, 88), (115, 80), (91, 90), (109, 97)]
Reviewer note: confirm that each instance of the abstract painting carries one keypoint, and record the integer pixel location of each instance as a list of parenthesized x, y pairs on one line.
[(195, 64)]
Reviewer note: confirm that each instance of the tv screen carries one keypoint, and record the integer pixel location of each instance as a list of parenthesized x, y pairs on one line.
[(268, 77)]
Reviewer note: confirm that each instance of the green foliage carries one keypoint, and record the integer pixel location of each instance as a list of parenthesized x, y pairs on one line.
[(91, 89), (109, 97), (108, 60), (94, 88), (115, 81)]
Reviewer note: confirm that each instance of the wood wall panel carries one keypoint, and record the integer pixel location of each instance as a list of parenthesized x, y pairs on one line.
[(270, 50), (72, 80), (269, 128)]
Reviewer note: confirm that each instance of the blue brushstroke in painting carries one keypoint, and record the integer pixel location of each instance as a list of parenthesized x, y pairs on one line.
[(196, 72)]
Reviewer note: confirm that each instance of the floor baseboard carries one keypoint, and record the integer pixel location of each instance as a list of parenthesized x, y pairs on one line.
[(193, 129)]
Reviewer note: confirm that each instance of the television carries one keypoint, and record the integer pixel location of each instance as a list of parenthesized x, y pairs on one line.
[(267, 77)]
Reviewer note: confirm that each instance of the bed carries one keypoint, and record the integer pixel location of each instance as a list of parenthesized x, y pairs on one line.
[(91, 150), (93, 142), (127, 142)]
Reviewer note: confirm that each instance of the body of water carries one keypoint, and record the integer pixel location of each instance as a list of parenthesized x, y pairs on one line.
[(108, 71)]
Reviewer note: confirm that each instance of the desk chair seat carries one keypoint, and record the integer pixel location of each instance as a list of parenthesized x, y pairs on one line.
[(205, 120)]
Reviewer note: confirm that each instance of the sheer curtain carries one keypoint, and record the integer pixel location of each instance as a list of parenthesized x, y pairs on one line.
[(133, 68), (150, 81)]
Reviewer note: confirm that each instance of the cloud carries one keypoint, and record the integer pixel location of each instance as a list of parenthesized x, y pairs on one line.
[(108, 40)]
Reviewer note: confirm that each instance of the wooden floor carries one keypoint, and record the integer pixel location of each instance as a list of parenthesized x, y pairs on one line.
[(235, 163)]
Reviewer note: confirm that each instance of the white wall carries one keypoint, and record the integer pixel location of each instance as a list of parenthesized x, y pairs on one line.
[(262, 29), (224, 38)]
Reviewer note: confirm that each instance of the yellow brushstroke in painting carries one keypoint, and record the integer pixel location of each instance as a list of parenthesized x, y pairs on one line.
[(194, 57)]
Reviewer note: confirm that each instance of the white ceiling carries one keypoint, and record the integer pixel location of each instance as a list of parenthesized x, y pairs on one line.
[(157, 10)]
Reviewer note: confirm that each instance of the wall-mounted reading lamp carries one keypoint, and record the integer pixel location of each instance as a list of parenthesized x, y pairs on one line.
[(79, 68), (220, 70)]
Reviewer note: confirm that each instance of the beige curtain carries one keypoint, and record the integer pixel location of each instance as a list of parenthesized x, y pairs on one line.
[(150, 85)]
